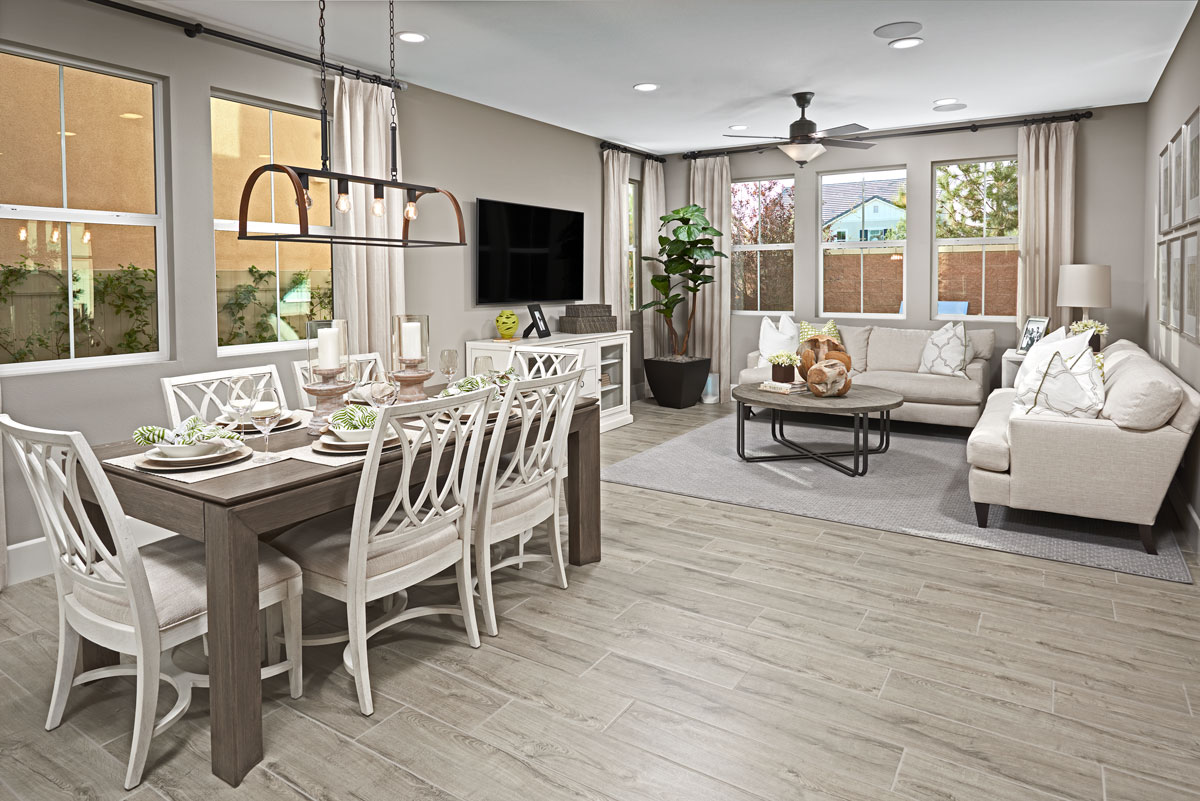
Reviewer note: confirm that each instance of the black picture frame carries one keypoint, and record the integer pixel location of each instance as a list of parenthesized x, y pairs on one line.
[(1035, 329), (538, 323)]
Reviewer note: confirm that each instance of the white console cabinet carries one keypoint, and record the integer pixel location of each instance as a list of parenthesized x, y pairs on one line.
[(603, 355)]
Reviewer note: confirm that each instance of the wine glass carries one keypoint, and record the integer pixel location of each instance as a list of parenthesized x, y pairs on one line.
[(265, 413), (380, 393), (240, 401), (482, 365), (449, 363)]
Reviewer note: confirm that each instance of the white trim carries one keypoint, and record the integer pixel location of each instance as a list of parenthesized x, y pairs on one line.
[(32, 559), (260, 347), (761, 312), (271, 228), (966, 318), (83, 363)]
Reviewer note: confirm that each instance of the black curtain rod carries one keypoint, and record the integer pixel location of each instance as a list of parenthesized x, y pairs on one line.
[(194, 29), (972, 127), (623, 149)]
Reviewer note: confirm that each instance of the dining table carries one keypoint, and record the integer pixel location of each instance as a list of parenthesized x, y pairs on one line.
[(230, 513)]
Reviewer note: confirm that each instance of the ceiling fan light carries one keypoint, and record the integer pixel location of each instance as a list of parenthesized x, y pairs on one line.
[(802, 153), (738, 127), (906, 42)]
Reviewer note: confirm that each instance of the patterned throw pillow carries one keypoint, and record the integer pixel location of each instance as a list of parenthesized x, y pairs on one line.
[(1064, 389), (808, 331), (947, 351)]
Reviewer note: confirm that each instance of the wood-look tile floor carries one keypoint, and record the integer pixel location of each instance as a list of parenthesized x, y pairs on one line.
[(716, 652)]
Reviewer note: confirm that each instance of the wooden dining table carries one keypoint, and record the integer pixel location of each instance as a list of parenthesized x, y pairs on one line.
[(230, 513)]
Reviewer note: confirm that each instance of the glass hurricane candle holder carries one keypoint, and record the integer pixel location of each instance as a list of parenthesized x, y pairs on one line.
[(327, 370), (410, 355)]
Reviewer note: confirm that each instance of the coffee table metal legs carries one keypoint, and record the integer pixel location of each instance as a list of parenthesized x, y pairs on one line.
[(860, 451)]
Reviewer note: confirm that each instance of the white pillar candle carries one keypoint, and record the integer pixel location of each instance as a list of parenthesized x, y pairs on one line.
[(410, 340), (329, 349)]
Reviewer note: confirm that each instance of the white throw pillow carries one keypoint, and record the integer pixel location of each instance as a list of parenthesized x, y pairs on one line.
[(774, 339), (1055, 342), (1062, 389), (946, 351)]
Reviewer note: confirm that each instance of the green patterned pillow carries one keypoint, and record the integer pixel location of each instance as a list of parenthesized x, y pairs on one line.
[(808, 331)]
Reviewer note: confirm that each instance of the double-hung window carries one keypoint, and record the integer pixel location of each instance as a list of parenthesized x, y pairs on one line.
[(863, 234), (633, 243), (764, 242), (975, 238), (82, 229), (267, 291)]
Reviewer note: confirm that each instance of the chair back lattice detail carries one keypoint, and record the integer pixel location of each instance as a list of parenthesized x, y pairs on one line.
[(441, 439), (544, 407), (370, 368), (52, 464), (540, 362), (206, 394)]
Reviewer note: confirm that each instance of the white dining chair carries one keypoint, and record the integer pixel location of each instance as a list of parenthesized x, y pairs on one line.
[(418, 526), (139, 602), (522, 487), (533, 361), (370, 368), (205, 394)]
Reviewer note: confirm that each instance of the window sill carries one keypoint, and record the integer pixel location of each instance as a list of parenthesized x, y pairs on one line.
[(978, 318), (261, 347), (87, 363), (861, 316), (760, 313)]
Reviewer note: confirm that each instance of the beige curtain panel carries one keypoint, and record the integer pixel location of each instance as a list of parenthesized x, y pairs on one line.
[(710, 188), (368, 282), (1046, 206), (654, 206), (614, 233)]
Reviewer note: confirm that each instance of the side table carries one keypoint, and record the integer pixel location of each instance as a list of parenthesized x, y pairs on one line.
[(1010, 362)]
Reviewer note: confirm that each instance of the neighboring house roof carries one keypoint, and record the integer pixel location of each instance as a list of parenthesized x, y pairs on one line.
[(837, 199), (857, 206)]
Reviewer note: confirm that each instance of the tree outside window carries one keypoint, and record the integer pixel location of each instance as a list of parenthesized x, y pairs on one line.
[(864, 230), (764, 218)]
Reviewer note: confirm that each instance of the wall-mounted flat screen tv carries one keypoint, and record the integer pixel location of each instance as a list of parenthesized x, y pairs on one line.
[(527, 254)]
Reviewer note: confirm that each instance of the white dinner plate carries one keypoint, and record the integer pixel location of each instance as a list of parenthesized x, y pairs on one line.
[(228, 456), (157, 456), (289, 420)]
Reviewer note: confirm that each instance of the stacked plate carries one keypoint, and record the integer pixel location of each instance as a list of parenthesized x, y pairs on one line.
[(289, 420), (333, 445), (227, 453)]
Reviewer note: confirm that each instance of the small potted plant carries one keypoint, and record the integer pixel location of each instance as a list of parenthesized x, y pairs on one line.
[(1099, 332), (783, 366)]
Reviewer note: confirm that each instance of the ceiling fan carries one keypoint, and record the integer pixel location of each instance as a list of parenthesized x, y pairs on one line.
[(804, 142)]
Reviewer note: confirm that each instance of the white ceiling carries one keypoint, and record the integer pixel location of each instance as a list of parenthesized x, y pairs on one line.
[(572, 63)]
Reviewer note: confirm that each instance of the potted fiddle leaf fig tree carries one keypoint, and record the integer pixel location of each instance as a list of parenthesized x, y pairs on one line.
[(678, 379)]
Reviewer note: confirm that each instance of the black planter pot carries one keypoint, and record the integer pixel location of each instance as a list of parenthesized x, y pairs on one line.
[(676, 385)]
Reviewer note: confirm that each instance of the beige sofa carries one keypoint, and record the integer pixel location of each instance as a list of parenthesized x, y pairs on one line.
[(1114, 467), (888, 358)]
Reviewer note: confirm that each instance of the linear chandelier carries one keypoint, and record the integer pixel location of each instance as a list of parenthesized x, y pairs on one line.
[(300, 177)]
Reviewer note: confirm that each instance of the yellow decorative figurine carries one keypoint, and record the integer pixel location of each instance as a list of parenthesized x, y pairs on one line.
[(507, 323)]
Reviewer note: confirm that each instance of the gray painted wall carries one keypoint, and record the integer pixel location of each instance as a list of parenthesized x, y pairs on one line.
[(472, 150), (1175, 98), (1109, 199)]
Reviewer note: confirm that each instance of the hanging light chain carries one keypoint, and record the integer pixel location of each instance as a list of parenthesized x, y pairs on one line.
[(392, 88), (324, 99)]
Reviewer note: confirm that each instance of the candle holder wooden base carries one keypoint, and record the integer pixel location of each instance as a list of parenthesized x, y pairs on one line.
[(410, 381), (328, 392)]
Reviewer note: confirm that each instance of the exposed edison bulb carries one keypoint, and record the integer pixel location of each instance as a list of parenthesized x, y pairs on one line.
[(410, 210), (87, 236), (54, 235), (377, 207), (22, 233), (307, 200), (343, 203)]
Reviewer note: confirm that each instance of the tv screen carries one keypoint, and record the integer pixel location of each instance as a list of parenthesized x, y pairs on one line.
[(527, 254)]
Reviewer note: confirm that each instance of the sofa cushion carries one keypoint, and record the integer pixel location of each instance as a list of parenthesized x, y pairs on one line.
[(924, 387), (752, 376), (1055, 342), (855, 339), (1139, 393), (983, 342), (946, 351), (807, 330), (774, 338), (1064, 389), (896, 348), (987, 447)]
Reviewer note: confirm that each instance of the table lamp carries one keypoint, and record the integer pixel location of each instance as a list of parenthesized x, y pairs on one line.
[(1087, 286)]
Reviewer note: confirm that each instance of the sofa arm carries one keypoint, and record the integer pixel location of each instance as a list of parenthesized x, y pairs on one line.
[(1091, 467), (752, 360), (980, 371)]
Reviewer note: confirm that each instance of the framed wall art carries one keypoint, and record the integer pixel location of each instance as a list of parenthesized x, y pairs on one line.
[(1177, 176), (1164, 284), (1164, 190), (1191, 200), (1175, 277), (1191, 287)]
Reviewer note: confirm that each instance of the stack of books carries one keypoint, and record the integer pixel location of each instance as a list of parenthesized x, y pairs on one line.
[(784, 388)]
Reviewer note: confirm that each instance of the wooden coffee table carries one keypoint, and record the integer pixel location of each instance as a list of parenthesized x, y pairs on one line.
[(859, 403)]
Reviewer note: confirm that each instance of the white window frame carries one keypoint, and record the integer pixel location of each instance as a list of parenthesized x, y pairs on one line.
[(265, 227), (760, 247), (984, 241), (157, 221), (847, 245), (633, 243)]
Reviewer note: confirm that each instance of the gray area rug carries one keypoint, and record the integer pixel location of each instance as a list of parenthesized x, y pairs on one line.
[(918, 487)]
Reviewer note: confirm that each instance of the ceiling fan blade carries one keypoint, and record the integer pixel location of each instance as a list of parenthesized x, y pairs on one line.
[(843, 130), (746, 136), (846, 143)]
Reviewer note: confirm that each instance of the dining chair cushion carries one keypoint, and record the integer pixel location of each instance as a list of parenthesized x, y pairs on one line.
[(506, 511), (176, 575), (322, 545)]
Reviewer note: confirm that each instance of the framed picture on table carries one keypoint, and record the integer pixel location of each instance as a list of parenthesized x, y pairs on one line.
[(1164, 190), (1191, 287), (539, 321), (1175, 277), (1191, 199), (1035, 329), (1163, 271)]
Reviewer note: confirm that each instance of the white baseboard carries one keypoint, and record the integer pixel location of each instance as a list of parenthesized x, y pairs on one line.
[(1190, 536), (31, 559)]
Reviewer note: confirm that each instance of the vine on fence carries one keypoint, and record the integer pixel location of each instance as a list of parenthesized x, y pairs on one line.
[(245, 299)]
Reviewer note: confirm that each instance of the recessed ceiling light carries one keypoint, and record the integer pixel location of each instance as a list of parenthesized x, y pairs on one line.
[(645, 87), (956, 106), (895, 30), (945, 101), (129, 115), (738, 127), (412, 37), (906, 42)]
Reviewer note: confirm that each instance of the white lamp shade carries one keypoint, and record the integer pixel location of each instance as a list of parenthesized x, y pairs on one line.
[(1087, 286), (803, 153)]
